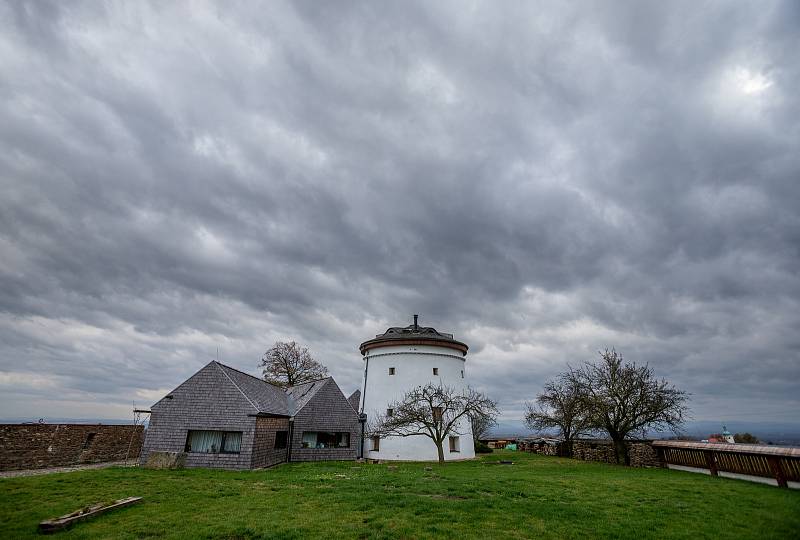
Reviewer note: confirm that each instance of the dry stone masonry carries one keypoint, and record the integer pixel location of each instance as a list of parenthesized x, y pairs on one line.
[(641, 453), (38, 446)]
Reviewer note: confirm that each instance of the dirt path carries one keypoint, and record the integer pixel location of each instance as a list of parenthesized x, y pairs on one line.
[(35, 472)]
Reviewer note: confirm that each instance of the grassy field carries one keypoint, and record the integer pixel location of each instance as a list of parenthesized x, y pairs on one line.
[(537, 497)]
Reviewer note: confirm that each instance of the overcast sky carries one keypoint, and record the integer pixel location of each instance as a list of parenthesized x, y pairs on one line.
[(543, 181)]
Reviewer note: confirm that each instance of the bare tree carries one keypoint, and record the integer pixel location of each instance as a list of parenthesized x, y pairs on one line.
[(432, 411), (624, 399), (288, 364), (481, 422), (560, 405)]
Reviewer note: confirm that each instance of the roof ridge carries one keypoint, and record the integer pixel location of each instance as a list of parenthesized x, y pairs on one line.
[(245, 373), (309, 382), (312, 391), (220, 366)]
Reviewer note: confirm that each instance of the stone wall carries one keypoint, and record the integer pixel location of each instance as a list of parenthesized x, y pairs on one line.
[(37, 446), (641, 453), (544, 448)]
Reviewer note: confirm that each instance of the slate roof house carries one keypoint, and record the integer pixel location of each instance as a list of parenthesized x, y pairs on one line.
[(223, 418)]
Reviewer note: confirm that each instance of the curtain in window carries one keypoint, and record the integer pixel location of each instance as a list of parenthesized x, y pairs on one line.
[(206, 441), (233, 441), (309, 439), (343, 440)]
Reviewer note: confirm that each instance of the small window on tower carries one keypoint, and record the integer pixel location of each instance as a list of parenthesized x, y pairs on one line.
[(454, 444), (389, 412), (437, 414), (391, 371), (436, 371), (462, 373)]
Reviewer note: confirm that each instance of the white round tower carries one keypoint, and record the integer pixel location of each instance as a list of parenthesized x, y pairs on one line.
[(399, 360)]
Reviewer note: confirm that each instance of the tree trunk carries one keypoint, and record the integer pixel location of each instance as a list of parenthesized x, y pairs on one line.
[(622, 451), (566, 448), (440, 450)]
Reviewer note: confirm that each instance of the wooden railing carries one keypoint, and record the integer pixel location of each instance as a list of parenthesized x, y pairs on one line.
[(782, 464)]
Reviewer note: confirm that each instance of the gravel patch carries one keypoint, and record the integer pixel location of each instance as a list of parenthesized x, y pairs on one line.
[(71, 468)]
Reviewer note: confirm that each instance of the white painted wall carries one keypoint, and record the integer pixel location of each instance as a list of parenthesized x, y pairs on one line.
[(413, 367)]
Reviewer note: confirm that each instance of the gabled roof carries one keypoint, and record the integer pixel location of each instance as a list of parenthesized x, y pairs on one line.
[(265, 398), (301, 394), (355, 399)]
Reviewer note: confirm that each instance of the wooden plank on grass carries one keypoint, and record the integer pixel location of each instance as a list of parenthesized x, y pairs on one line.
[(57, 524)]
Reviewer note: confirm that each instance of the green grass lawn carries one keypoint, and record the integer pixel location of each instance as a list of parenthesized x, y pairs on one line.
[(537, 497)]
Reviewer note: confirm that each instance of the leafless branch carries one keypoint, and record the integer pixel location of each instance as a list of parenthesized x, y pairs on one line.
[(287, 364), (436, 412)]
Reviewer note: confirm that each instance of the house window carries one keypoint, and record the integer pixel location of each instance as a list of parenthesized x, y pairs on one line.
[(454, 444), (437, 414), (391, 371), (389, 412), (436, 371), (214, 442), (326, 439), (88, 441), (376, 444), (281, 437)]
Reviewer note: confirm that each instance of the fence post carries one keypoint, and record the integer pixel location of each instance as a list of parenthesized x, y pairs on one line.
[(777, 470), (660, 458), (711, 461)]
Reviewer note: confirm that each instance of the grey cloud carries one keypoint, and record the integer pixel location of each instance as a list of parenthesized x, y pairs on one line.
[(543, 182)]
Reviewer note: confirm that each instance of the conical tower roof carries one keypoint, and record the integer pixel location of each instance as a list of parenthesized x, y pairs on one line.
[(414, 334)]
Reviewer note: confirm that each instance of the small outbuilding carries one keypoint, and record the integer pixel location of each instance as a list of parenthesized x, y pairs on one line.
[(224, 418)]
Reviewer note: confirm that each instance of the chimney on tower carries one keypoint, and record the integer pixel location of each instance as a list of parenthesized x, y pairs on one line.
[(416, 327)]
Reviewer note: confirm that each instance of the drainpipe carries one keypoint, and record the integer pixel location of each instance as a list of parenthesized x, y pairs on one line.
[(290, 438), (364, 393), (362, 418)]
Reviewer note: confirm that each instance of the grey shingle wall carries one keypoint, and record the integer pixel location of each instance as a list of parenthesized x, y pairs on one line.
[(207, 400), (264, 452), (328, 410)]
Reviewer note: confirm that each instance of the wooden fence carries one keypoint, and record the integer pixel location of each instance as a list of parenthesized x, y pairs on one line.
[(782, 464)]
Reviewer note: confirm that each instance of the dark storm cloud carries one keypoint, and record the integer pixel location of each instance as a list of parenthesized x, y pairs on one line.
[(543, 181)]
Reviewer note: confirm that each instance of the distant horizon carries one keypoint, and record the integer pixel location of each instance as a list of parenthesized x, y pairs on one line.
[(780, 433), (745, 425)]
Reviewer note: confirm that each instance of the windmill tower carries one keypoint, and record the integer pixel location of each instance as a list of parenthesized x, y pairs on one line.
[(397, 361)]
